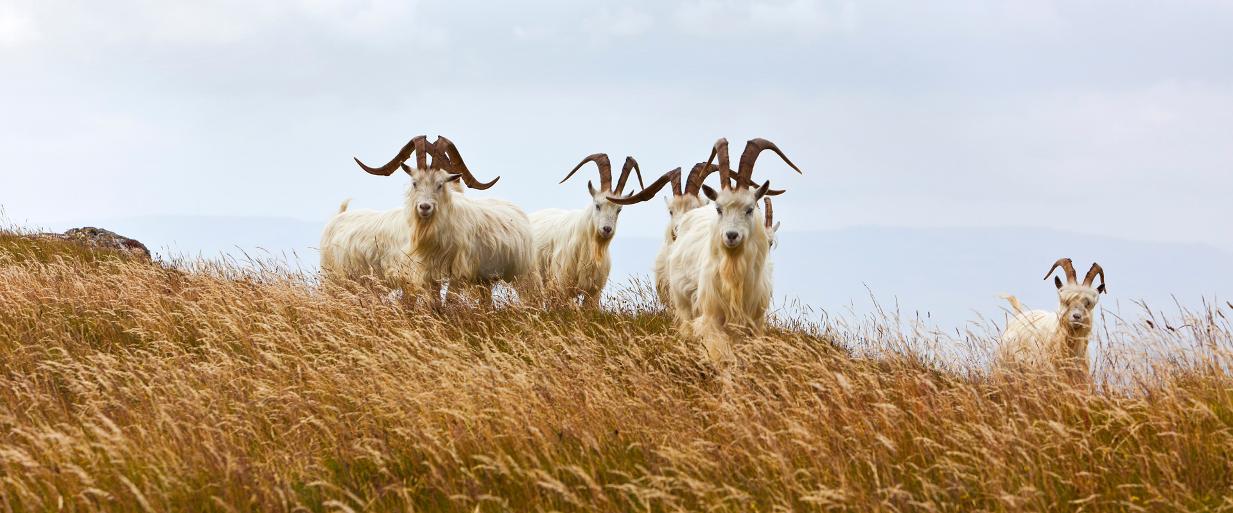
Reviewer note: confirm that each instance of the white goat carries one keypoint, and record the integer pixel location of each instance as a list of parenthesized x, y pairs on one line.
[(680, 203), (719, 277), (571, 246), (439, 235), (1054, 341)]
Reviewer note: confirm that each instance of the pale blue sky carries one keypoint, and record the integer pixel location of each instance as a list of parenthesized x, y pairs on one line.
[(1090, 116)]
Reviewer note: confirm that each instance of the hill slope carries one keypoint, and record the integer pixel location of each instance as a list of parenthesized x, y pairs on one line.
[(132, 387)]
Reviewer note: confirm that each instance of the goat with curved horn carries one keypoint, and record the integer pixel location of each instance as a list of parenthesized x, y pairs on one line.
[(719, 271), (571, 246), (439, 236), (1042, 340)]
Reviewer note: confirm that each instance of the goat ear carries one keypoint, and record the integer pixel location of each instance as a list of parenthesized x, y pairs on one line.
[(453, 178), (775, 229), (1057, 281), (758, 194), (1101, 289), (405, 168), (591, 189), (710, 193)]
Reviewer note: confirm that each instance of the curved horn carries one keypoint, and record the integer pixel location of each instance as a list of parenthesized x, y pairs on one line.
[(630, 165), (456, 165), (753, 148), (1067, 266), (647, 193), (1092, 273), (770, 213), (697, 175), (416, 145), (605, 170), (725, 165)]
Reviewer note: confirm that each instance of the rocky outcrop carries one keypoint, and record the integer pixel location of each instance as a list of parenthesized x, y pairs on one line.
[(98, 238)]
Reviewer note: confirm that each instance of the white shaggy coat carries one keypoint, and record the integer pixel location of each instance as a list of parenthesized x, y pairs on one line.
[(369, 243), (464, 242), (1039, 340), (571, 254), (677, 207), (719, 290)]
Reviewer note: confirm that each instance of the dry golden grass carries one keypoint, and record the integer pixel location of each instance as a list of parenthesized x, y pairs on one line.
[(130, 387)]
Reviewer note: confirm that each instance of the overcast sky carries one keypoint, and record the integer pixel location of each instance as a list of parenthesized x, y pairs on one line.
[(1092, 116)]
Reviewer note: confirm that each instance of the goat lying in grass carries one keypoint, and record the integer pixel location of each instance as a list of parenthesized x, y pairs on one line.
[(1052, 341)]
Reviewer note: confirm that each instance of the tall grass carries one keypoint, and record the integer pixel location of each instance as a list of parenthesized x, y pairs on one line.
[(208, 387)]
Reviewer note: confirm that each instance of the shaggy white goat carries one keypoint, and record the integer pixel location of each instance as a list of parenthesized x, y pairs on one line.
[(571, 246), (440, 236), (719, 278), (680, 203), (1044, 340)]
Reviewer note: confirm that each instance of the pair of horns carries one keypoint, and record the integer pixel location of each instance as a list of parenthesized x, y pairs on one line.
[(700, 171), (1072, 278), (444, 155), (744, 173), (605, 172)]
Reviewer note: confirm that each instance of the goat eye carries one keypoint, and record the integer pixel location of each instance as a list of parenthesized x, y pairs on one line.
[(719, 210), (596, 208), (749, 211)]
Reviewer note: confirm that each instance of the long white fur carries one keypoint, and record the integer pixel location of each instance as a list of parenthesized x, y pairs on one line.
[(1039, 339), (677, 207), (363, 243), (465, 242), (571, 255), (717, 290)]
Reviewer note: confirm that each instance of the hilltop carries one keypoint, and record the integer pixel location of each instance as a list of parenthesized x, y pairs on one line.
[(201, 386)]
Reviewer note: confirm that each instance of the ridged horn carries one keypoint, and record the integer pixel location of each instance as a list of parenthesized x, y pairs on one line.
[(753, 148), (416, 145), (630, 165), (605, 169), (456, 165), (673, 177), (1067, 266), (1092, 273)]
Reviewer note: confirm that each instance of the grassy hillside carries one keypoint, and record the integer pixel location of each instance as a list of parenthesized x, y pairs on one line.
[(131, 387)]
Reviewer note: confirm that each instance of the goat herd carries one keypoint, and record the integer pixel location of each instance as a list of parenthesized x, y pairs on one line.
[(712, 271)]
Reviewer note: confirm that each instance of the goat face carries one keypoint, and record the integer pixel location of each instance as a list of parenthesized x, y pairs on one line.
[(430, 188), (1077, 299), (604, 213), (678, 206), (1077, 302), (737, 220)]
